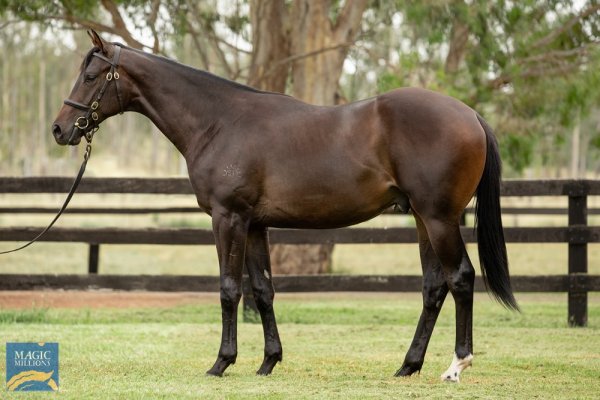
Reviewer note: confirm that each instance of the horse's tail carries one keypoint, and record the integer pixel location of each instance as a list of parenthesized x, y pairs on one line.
[(490, 236)]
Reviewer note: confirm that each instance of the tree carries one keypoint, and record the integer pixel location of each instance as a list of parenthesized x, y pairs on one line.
[(270, 44), (84, 14)]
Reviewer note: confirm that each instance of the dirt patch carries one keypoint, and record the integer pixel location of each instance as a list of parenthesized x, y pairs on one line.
[(101, 299), (121, 299)]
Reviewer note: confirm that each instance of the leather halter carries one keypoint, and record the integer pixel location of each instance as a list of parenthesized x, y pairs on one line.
[(88, 123)]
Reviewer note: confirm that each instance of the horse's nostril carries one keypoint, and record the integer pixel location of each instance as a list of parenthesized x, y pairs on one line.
[(56, 130)]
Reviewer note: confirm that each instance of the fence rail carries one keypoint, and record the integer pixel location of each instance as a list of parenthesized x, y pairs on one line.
[(577, 234), (284, 283)]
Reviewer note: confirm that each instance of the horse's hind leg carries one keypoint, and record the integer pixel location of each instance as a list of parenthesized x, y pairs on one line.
[(259, 269), (460, 276), (435, 290)]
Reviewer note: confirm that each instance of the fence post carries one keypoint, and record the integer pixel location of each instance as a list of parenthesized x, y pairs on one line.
[(93, 258), (578, 256)]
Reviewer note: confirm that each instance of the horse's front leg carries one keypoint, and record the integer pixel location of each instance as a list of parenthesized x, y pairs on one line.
[(230, 232), (259, 268)]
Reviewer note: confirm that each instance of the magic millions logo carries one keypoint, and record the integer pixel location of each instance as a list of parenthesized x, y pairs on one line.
[(32, 366)]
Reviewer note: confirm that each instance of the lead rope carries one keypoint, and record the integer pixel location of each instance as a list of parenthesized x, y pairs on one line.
[(86, 157)]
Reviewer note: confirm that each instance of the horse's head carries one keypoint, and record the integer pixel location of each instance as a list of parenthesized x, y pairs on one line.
[(98, 94)]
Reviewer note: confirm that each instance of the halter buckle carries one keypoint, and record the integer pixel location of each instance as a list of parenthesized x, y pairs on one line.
[(116, 75), (109, 76), (94, 105)]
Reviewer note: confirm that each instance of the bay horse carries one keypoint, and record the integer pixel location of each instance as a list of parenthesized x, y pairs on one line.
[(258, 159)]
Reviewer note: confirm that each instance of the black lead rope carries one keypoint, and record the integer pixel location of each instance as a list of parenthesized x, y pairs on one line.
[(86, 157)]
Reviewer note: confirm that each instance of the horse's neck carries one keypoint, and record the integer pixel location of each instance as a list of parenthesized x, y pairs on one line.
[(184, 104)]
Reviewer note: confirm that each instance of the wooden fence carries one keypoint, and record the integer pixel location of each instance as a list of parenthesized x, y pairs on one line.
[(577, 234)]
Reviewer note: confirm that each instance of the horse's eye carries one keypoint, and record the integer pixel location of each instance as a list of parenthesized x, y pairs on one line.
[(90, 78)]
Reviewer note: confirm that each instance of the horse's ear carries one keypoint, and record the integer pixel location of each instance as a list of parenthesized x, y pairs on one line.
[(97, 40)]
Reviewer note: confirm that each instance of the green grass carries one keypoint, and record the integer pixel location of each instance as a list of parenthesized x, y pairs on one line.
[(335, 346)]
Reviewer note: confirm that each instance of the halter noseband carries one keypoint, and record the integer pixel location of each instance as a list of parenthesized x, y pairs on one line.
[(83, 122)]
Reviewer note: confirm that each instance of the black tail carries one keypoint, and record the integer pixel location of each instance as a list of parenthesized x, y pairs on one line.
[(490, 236)]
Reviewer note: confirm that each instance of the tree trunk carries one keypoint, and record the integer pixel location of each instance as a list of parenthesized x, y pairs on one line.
[(5, 124), (575, 149), (41, 147), (320, 46), (314, 78), (303, 259), (270, 45), (458, 46)]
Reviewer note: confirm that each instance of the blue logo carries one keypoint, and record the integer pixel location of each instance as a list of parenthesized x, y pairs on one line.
[(32, 366)]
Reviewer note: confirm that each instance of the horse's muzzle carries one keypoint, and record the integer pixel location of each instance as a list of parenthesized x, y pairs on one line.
[(64, 138), (56, 131)]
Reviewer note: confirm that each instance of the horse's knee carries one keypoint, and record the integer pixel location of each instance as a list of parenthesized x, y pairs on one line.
[(231, 292), (263, 296), (433, 297)]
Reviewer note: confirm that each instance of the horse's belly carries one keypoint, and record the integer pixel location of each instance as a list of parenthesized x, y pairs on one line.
[(327, 189), (324, 210)]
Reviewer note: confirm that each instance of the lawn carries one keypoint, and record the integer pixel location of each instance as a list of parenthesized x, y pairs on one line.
[(335, 346)]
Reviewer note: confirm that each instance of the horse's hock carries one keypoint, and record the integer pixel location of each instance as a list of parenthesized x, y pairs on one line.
[(306, 259)]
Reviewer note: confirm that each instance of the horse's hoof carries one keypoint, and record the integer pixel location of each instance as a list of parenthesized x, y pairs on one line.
[(210, 372), (455, 378), (407, 370), (264, 371), (220, 366), (268, 364), (458, 365)]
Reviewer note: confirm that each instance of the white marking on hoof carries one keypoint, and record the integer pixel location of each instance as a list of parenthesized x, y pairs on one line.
[(458, 365)]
